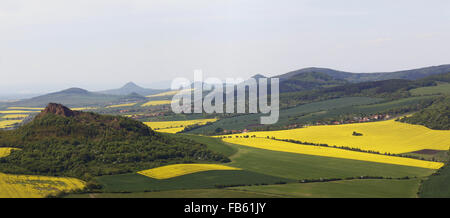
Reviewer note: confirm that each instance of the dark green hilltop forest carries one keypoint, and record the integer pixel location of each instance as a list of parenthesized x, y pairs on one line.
[(390, 89), (413, 74), (62, 142), (437, 116)]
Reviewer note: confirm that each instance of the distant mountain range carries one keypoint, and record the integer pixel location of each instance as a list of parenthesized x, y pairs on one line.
[(299, 80), (75, 97)]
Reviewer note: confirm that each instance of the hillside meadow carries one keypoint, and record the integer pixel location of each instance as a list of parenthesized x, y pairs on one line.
[(303, 166), (442, 88), (367, 188), (338, 189), (437, 185)]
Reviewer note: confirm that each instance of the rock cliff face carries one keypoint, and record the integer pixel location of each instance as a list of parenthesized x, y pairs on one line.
[(58, 109)]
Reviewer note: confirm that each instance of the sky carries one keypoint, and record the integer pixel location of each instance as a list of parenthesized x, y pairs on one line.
[(49, 45)]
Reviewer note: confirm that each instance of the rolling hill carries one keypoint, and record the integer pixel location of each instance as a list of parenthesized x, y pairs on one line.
[(72, 97), (413, 74), (313, 78), (62, 142), (308, 81), (76, 97), (319, 78), (130, 88)]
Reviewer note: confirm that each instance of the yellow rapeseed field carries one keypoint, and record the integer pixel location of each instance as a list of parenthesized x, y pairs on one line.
[(24, 186), (384, 136), (176, 126), (83, 108), (14, 116), (8, 123), (25, 108), (17, 112), (276, 145), (168, 93), (5, 151), (131, 115), (171, 130), (175, 170), (154, 103), (121, 105), (28, 186)]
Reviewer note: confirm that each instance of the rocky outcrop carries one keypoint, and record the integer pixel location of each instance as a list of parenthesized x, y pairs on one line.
[(59, 109)]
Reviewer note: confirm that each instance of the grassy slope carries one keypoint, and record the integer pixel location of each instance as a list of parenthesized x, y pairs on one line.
[(214, 144), (341, 189), (437, 186), (209, 179), (391, 104), (192, 193), (442, 88), (298, 166), (337, 189)]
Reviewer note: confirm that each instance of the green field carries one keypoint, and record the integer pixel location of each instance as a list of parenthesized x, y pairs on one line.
[(442, 88), (341, 189), (373, 108), (214, 144), (367, 188), (191, 193), (298, 166), (262, 168), (210, 179), (437, 186)]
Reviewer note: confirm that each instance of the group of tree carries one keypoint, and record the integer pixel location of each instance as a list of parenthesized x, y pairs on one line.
[(436, 116)]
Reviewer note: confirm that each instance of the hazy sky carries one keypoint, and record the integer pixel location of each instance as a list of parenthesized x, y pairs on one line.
[(48, 45)]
